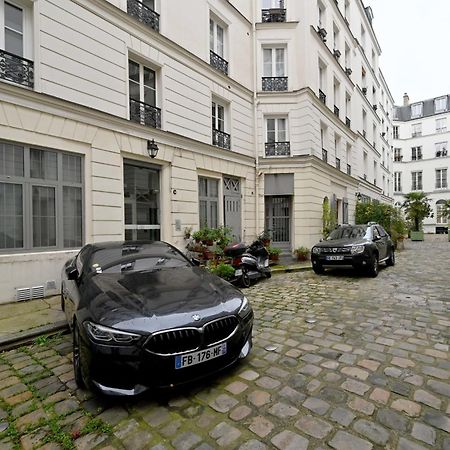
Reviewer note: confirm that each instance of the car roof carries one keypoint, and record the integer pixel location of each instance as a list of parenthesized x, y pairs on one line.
[(117, 244)]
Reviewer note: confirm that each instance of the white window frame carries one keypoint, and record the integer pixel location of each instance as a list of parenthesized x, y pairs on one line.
[(416, 110), (440, 219), (141, 80), (214, 44), (440, 104), (441, 125), (277, 131), (416, 153), (441, 149), (398, 154), (441, 178), (416, 129), (395, 132), (397, 182), (216, 104), (273, 60), (416, 180), (273, 4)]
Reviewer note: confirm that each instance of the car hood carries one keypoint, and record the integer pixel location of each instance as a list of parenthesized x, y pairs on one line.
[(341, 243), (148, 301)]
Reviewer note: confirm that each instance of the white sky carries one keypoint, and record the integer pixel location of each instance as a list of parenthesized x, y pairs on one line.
[(415, 41)]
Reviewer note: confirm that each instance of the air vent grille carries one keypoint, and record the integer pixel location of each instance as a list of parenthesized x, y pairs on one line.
[(30, 293)]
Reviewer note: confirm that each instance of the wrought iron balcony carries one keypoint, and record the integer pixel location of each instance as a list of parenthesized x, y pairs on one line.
[(16, 69), (221, 139), (349, 169), (324, 155), (218, 62), (274, 15), (338, 164), (145, 114), (278, 148), (143, 13), (322, 97), (348, 122), (336, 111), (274, 84)]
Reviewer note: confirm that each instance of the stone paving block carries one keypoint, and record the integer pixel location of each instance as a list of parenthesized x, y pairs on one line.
[(346, 441), (287, 440), (224, 434), (392, 419), (410, 408), (261, 426), (405, 444), (372, 431), (295, 397), (342, 416), (259, 398), (424, 433), (236, 387), (239, 413), (314, 427), (252, 444), (139, 440), (267, 382), (223, 403), (316, 405), (356, 387), (283, 411), (380, 396), (426, 398), (439, 387), (362, 406), (249, 375), (369, 364), (355, 372), (437, 420), (436, 372), (186, 441)]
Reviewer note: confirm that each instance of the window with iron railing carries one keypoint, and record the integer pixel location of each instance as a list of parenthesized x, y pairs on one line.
[(273, 11), (144, 11), (219, 137), (217, 45), (274, 69), (324, 155), (277, 142)]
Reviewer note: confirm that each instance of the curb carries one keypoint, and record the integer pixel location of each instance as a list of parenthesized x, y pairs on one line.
[(290, 270), (27, 336)]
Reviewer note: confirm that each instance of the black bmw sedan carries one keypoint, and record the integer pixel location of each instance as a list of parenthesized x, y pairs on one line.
[(144, 316)]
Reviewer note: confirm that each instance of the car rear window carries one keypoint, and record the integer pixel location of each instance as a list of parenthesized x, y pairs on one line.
[(347, 233)]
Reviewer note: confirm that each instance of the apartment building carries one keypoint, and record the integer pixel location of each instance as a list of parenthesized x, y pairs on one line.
[(127, 119), (421, 158)]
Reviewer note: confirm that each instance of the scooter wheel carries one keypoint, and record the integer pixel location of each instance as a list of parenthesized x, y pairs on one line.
[(245, 279), (268, 274)]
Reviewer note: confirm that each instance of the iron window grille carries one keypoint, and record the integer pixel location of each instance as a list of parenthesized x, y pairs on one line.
[(143, 13), (16, 69)]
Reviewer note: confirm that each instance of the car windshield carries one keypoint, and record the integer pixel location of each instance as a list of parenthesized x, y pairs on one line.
[(134, 258), (348, 233)]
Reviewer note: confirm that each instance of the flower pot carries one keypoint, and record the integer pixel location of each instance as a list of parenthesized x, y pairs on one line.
[(274, 257), (302, 257), (417, 235)]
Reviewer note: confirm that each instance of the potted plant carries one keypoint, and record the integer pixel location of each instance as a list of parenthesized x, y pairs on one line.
[(274, 253), (302, 253), (225, 271), (445, 212), (417, 208), (265, 237), (187, 232), (198, 235)]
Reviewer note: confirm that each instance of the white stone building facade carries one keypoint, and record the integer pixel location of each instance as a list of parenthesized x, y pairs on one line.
[(421, 158), (256, 114)]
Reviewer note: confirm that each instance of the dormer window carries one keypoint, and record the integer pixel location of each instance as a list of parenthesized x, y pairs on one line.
[(416, 110), (440, 104)]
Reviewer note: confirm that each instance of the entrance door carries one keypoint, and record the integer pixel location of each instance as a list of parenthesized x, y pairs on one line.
[(232, 206), (141, 198), (278, 220)]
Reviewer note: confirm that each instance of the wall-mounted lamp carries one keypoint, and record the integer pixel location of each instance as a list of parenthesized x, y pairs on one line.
[(152, 148), (358, 195)]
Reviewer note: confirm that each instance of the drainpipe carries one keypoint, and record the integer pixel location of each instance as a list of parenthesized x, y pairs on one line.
[(255, 119)]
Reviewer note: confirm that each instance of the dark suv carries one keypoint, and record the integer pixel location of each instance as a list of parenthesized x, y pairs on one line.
[(359, 246)]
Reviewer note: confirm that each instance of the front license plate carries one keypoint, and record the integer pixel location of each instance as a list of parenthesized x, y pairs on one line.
[(238, 273), (191, 359), (335, 258)]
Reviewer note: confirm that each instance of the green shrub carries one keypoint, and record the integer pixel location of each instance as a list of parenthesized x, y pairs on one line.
[(222, 270), (274, 251)]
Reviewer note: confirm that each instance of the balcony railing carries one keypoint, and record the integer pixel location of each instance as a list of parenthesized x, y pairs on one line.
[(274, 15), (278, 148), (145, 114), (322, 97), (16, 69), (221, 139), (349, 169), (336, 111), (218, 62), (143, 13), (274, 83), (338, 164), (324, 155), (348, 122)]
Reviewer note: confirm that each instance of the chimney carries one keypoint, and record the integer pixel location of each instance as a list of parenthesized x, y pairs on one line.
[(405, 99)]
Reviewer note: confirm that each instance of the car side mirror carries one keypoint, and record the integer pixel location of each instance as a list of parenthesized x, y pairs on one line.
[(376, 238), (195, 261), (72, 273)]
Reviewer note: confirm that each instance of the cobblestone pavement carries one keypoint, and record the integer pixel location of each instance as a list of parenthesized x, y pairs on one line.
[(370, 370)]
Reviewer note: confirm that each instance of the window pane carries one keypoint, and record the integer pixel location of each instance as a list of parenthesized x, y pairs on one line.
[(149, 96), (72, 216), (11, 216), (213, 212), (203, 187), (11, 160), (149, 4), (282, 130), (213, 188), (13, 17), (267, 55), (149, 77), (13, 42), (71, 168), (279, 62), (43, 164), (203, 213), (44, 216), (211, 35), (134, 91), (219, 41)]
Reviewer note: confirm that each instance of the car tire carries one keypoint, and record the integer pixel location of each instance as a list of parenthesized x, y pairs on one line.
[(76, 358), (373, 266), (318, 269), (245, 279), (391, 260), (268, 274)]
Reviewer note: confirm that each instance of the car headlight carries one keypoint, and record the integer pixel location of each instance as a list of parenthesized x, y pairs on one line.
[(104, 335), (245, 308), (316, 250), (356, 249)]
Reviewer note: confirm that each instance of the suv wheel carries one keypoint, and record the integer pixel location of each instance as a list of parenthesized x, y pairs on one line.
[(373, 266), (318, 269), (391, 260)]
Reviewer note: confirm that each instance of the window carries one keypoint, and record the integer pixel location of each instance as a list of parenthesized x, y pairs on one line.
[(274, 62), (416, 153), (219, 136), (41, 198), (416, 130), (441, 179), (441, 149), (216, 37), (440, 218), (375, 173), (276, 130), (335, 37), (441, 125), (395, 132), (440, 104), (208, 196), (416, 184), (142, 92), (321, 15), (398, 154), (397, 181), (14, 29), (416, 110), (363, 38)]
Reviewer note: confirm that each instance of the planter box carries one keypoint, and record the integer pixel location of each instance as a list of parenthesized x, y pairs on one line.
[(417, 235)]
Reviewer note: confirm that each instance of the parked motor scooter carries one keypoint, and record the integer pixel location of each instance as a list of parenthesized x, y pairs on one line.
[(250, 263)]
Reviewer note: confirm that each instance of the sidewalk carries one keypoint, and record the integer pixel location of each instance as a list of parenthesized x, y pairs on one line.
[(21, 322)]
